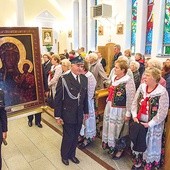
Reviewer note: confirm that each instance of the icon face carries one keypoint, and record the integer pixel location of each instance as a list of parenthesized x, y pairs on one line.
[(100, 30)]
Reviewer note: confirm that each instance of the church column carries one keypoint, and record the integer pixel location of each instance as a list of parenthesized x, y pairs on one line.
[(158, 27), (127, 25), (141, 26), (20, 13), (83, 24), (90, 27), (75, 24)]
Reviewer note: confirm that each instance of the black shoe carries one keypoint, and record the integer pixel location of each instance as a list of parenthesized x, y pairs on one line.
[(83, 145), (75, 160), (39, 125), (29, 123), (117, 156), (65, 162)]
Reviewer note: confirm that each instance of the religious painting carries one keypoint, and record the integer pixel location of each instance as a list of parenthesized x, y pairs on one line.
[(20, 68), (47, 36), (100, 30), (119, 28)]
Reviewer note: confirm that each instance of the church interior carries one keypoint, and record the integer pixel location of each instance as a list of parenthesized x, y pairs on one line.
[(30, 30)]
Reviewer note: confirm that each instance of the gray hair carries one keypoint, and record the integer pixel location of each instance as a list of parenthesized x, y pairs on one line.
[(136, 64), (66, 62), (155, 63), (93, 56), (117, 46), (124, 58)]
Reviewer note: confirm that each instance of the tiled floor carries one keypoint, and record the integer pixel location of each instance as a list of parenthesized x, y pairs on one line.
[(39, 149)]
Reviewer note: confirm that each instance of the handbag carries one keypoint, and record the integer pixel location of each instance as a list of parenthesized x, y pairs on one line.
[(50, 99), (123, 140)]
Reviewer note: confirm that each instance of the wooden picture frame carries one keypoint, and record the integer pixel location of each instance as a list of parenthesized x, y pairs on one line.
[(47, 36), (119, 29), (21, 70), (100, 30)]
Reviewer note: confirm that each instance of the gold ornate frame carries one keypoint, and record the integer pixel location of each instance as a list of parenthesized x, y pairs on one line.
[(119, 28), (21, 42), (47, 40)]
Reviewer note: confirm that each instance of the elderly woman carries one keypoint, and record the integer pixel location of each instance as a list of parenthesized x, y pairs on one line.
[(129, 72), (149, 110), (134, 66), (88, 131), (154, 63), (54, 73), (66, 65), (128, 54), (140, 59), (117, 110), (97, 70)]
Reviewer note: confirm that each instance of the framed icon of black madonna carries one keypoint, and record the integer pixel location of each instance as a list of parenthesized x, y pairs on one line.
[(20, 68)]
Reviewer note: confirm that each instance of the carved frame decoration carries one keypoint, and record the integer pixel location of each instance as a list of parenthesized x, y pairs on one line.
[(47, 36), (20, 68)]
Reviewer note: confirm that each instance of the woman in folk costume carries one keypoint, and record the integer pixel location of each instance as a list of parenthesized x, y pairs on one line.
[(88, 130), (150, 108), (55, 73), (117, 110)]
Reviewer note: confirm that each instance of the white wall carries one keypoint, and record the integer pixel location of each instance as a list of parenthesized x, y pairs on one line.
[(119, 15), (64, 21), (121, 12)]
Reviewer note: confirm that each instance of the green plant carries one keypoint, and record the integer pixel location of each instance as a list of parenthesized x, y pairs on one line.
[(48, 47)]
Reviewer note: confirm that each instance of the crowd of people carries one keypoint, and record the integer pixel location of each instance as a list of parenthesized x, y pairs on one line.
[(136, 106)]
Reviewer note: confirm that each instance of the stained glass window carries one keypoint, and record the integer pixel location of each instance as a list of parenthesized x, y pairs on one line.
[(149, 27), (166, 35), (133, 25)]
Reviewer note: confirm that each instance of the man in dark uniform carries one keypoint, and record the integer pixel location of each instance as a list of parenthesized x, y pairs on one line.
[(3, 123), (71, 104)]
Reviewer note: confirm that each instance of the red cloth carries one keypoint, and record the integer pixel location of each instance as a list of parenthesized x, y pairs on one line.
[(143, 109), (51, 73), (111, 93)]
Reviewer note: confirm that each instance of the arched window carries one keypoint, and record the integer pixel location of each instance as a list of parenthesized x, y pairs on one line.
[(166, 33), (149, 27), (133, 25)]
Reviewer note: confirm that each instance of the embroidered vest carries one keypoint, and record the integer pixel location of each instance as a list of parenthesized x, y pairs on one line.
[(119, 95), (153, 105)]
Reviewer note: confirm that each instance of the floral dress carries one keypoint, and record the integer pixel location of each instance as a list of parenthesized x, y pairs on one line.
[(157, 103), (118, 105)]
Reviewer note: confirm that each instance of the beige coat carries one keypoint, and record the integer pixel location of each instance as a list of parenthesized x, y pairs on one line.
[(99, 74)]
